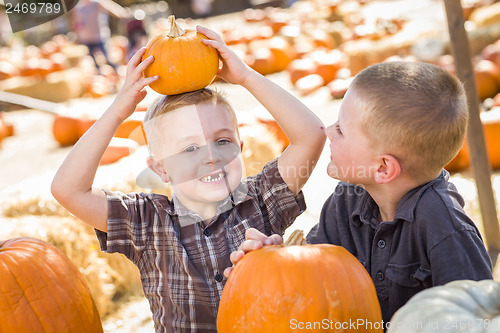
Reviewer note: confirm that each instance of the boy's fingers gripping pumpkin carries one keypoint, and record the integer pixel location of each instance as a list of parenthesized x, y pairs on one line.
[(135, 60), (252, 235)]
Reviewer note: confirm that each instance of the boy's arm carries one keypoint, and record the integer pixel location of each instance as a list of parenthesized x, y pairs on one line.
[(72, 184), (304, 130)]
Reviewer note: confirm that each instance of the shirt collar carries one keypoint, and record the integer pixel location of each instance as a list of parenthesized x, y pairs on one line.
[(407, 205), (187, 216), (365, 210)]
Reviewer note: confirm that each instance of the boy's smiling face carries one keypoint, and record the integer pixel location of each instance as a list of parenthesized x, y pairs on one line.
[(352, 153), (198, 148)]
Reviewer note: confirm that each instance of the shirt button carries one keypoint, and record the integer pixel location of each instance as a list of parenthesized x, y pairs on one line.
[(207, 232), (381, 243), (219, 277), (380, 276)]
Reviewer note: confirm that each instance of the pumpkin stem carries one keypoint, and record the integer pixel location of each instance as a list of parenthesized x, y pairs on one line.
[(296, 238), (175, 29)]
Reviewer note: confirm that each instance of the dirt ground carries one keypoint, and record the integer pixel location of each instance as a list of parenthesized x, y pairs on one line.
[(29, 160)]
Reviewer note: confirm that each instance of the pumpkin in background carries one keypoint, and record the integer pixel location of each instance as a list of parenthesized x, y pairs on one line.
[(65, 130), (42, 291), (118, 148), (461, 160), (272, 288), (300, 68), (6, 128), (273, 127), (283, 52), (182, 61), (491, 127), (487, 75), (458, 306), (130, 128)]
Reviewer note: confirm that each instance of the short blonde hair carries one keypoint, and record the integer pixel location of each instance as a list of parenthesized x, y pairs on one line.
[(167, 103), (415, 111)]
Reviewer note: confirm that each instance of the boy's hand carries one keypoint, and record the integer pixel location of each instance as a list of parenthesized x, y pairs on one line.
[(254, 240), (233, 70), (132, 90)]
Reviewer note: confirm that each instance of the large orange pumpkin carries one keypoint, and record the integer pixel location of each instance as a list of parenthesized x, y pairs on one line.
[(42, 291), (290, 288), (182, 61)]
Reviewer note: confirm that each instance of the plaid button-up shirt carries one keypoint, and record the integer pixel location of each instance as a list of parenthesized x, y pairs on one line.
[(180, 263)]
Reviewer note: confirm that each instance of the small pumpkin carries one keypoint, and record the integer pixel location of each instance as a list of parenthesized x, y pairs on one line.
[(182, 61), (487, 75), (118, 148), (65, 130), (309, 83), (491, 127), (458, 306), (42, 291), (299, 68), (281, 288)]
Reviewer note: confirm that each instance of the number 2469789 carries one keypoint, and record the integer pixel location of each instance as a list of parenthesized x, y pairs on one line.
[(33, 8)]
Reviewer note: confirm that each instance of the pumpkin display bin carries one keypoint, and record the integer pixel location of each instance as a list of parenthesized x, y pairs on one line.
[(182, 62), (42, 291), (296, 288)]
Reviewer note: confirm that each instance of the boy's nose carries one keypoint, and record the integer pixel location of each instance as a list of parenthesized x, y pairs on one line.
[(212, 156), (329, 131)]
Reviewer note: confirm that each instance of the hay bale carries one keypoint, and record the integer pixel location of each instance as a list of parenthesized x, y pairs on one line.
[(56, 87), (486, 15), (28, 209), (109, 276), (365, 52)]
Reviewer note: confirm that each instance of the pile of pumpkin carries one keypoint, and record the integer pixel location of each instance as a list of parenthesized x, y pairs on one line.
[(31, 60), (306, 40), (324, 42), (68, 129)]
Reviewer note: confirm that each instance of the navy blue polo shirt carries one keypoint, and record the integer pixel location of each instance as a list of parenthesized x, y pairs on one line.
[(430, 242)]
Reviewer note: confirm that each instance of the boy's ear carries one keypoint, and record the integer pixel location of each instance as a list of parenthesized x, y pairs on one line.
[(157, 168), (388, 169)]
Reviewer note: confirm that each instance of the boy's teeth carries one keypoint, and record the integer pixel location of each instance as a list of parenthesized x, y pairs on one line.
[(213, 178)]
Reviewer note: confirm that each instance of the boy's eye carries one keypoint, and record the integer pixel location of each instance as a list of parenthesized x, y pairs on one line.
[(223, 142), (190, 149), (337, 128)]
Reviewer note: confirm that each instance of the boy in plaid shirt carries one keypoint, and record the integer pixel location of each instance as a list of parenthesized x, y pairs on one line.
[(182, 245)]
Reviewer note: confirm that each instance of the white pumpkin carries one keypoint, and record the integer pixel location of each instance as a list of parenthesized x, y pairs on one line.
[(458, 306)]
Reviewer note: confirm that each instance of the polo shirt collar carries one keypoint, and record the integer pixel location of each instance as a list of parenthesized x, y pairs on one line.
[(186, 215), (366, 207)]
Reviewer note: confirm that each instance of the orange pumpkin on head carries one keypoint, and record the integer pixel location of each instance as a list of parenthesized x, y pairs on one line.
[(182, 62)]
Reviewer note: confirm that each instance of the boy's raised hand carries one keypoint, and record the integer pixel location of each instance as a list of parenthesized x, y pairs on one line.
[(254, 240), (233, 70), (132, 90)]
